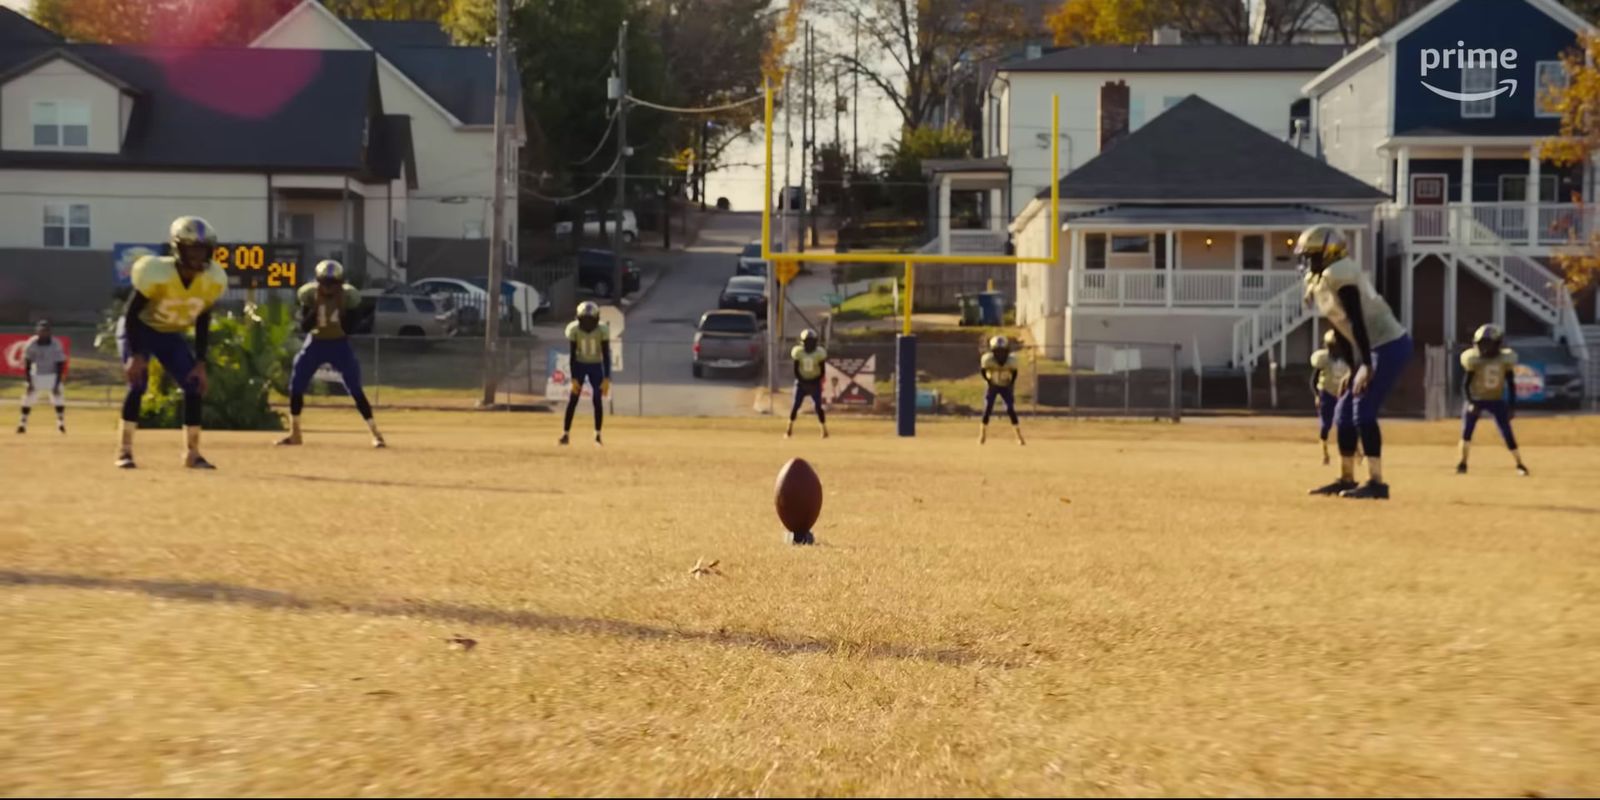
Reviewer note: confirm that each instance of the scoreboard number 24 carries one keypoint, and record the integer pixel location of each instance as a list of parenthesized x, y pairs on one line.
[(275, 266)]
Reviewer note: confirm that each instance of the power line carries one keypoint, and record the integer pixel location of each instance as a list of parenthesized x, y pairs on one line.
[(611, 122), (596, 185), (705, 110)]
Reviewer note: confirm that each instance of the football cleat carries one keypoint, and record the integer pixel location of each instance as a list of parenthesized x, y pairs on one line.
[(291, 440), (378, 443), (1337, 487), (1521, 470), (125, 461), (1461, 468), (563, 439), (22, 429), (1371, 490), (196, 461)]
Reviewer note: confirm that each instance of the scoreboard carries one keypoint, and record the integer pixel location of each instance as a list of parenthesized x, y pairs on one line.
[(272, 266)]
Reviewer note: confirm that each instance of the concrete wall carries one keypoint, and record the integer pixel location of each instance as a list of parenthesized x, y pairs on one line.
[(1351, 118), (61, 80), (132, 206), (61, 285), (1213, 331), (447, 258), (1260, 98)]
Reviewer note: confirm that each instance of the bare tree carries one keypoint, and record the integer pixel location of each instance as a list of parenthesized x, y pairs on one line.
[(917, 47), (1360, 20)]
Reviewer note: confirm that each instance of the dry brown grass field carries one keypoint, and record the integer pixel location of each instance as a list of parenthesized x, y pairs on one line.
[(1119, 608)]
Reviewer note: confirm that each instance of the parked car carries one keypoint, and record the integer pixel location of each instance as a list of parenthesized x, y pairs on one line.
[(729, 340), (403, 313), (525, 300), (751, 262), (1561, 377), (458, 295), (591, 225), (596, 272), (745, 293)]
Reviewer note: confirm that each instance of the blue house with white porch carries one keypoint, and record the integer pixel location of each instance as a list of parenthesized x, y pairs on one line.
[(1446, 113)]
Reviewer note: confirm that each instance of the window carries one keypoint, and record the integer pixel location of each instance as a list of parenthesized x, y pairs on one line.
[(1514, 188), (1138, 243), (1549, 77), (60, 124), (391, 305), (1252, 256), (1094, 251), (399, 242), (1161, 252), (424, 305), (66, 225), (1478, 79)]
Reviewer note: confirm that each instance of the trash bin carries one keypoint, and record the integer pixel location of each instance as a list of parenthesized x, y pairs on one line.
[(992, 306), (970, 313)]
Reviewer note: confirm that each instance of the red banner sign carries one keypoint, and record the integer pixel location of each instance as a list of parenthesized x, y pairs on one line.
[(11, 347)]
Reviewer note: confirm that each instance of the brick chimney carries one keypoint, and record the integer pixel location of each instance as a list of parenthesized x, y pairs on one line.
[(1114, 100)]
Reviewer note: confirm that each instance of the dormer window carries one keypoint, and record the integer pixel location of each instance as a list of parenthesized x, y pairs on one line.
[(60, 123)]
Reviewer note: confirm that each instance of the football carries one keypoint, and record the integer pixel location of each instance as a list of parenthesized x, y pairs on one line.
[(798, 496)]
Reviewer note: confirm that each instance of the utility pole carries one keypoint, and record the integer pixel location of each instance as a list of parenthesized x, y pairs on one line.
[(805, 138), (497, 237), (855, 102), (620, 90), (811, 95)]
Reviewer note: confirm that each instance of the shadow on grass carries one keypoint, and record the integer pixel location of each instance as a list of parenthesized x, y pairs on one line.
[(210, 592), (461, 487)]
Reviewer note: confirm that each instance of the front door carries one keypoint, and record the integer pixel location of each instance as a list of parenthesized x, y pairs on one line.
[(1428, 195)]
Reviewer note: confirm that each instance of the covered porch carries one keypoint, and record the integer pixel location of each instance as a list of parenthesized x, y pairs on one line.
[(967, 196), (1485, 193), (1215, 257), (360, 224)]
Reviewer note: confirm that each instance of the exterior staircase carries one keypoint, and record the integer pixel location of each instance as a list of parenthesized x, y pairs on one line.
[(1267, 325)]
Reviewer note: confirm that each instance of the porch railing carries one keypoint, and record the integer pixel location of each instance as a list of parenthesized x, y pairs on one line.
[(1181, 288), (1481, 224)]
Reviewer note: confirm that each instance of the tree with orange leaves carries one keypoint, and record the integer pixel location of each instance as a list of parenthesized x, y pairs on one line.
[(1578, 103)]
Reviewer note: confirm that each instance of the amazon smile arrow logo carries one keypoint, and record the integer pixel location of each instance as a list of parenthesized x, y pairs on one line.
[(1462, 58), (1508, 87)]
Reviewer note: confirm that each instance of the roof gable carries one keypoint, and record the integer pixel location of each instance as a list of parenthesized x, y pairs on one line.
[(40, 57), (253, 110), (1197, 152), (17, 29)]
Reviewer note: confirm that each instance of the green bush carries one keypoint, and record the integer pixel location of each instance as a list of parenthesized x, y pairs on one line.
[(248, 359)]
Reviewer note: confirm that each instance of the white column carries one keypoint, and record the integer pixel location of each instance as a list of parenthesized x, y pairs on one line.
[(1466, 177), (1171, 274), (1500, 309), (1451, 268), (1075, 271), (1355, 236), (1238, 266), (944, 214), (1533, 195), (997, 216), (1408, 278), (1402, 177)]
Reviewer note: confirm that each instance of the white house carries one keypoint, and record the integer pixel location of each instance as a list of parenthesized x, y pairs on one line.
[(448, 93), (102, 145), (1182, 233), (1444, 113), (1259, 84)]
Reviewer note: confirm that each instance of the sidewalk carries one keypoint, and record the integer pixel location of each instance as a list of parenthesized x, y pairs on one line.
[(647, 281)]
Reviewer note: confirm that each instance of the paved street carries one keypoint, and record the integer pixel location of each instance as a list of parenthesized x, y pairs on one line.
[(660, 330)]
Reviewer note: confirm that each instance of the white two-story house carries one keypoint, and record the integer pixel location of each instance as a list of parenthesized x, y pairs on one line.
[(1444, 112), (103, 145), (448, 93)]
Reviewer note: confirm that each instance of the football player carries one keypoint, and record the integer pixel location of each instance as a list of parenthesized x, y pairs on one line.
[(171, 294), (590, 361), (1000, 373), (1330, 366), (1379, 350), (44, 367), (324, 305), (1489, 385), (809, 358)]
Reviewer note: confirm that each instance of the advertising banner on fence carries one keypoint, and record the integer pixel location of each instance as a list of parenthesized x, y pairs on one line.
[(11, 356), (850, 381), (1530, 382), (558, 376), (122, 257)]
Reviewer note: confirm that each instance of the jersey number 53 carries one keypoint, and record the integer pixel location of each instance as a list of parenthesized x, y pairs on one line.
[(179, 310)]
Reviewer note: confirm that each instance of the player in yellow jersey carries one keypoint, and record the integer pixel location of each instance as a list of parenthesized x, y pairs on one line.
[(1489, 385), (325, 306), (589, 362), (1330, 366), (999, 370), (1380, 347), (171, 295), (809, 358)]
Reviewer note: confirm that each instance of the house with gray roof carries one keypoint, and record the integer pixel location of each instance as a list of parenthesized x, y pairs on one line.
[(447, 91), (102, 146), (1183, 232)]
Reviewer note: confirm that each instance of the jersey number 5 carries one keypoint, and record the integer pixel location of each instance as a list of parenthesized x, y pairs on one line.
[(179, 310)]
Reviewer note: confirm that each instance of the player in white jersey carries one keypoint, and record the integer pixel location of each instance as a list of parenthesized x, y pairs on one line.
[(1380, 347), (44, 366)]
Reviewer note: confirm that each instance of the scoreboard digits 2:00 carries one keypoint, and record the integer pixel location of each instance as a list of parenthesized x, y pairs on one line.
[(275, 266)]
